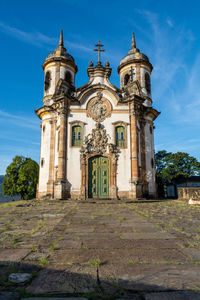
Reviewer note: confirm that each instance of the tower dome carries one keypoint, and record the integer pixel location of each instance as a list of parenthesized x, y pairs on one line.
[(60, 53), (134, 54), (136, 66), (59, 64)]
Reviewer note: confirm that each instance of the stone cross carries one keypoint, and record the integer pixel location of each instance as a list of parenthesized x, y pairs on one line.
[(99, 51)]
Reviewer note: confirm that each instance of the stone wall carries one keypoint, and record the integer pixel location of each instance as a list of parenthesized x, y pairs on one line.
[(187, 193)]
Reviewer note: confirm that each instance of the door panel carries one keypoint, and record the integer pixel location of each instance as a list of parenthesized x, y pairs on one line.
[(98, 177)]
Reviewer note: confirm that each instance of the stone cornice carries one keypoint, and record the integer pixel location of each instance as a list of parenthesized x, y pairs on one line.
[(135, 61), (151, 112), (60, 59)]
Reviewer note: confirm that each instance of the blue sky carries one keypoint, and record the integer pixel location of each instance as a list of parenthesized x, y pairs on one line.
[(168, 32)]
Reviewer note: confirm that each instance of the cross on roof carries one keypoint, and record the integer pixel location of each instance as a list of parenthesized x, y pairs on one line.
[(99, 45)]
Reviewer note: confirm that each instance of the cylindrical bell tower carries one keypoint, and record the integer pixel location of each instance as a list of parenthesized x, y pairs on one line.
[(136, 67), (59, 64)]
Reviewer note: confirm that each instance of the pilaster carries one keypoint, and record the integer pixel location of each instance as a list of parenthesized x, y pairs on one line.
[(50, 183), (135, 187), (143, 176), (60, 184)]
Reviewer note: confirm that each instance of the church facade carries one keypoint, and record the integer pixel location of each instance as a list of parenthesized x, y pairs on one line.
[(97, 140)]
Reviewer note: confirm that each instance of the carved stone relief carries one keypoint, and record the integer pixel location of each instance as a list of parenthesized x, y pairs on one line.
[(97, 142), (99, 108)]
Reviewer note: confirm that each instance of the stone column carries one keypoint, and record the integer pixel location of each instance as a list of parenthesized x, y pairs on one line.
[(50, 183), (133, 151), (61, 174)]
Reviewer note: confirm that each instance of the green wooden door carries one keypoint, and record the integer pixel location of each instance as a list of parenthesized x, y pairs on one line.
[(98, 177)]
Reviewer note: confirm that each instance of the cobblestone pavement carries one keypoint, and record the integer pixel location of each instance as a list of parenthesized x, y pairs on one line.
[(100, 250)]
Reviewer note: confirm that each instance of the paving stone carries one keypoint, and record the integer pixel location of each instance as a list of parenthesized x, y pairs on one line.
[(13, 255), (151, 277), (118, 243), (90, 235), (79, 229), (68, 244), (84, 255), (54, 281), (192, 252), (34, 256), (143, 236), (9, 296), (19, 277), (53, 215), (178, 295)]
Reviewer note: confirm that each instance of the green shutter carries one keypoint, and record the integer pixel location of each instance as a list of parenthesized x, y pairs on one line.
[(76, 136), (120, 136)]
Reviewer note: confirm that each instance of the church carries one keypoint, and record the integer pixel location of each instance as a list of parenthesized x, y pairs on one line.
[(97, 140)]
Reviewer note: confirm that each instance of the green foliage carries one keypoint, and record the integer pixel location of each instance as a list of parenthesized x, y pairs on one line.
[(21, 178), (174, 167)]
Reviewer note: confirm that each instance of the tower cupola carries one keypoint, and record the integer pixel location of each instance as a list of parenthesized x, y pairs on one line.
[(59, 64), (136, 66)]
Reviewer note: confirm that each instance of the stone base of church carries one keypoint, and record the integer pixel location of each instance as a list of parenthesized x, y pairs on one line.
[(60, 189), (123, 194)]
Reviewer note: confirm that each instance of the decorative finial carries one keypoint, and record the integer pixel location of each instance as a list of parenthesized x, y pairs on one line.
[(133, 44), (107, 64), (61, 43), (99, 45)]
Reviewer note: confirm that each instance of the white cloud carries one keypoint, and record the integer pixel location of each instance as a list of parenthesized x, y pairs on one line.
[(21, 121), (170, 23), (37, 38)]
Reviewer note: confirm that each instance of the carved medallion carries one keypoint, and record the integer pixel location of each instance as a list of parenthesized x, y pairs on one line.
[(99, 108)]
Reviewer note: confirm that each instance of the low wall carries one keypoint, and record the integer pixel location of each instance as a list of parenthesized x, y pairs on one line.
[(187, 193)]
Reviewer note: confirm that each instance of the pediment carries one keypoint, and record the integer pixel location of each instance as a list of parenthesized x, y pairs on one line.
[(89, 91)]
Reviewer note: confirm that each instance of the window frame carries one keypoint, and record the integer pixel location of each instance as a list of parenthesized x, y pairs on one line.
[(147, 83), (115, 126), (48, 72), (70, 79), (72, 125)]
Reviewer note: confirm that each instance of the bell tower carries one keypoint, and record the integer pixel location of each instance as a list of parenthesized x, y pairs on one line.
[(135, 66), (59, 64)]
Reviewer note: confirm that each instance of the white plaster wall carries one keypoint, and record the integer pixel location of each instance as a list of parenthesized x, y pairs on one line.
[(45, 152), (51, 90), (149, 143), (99, 79)]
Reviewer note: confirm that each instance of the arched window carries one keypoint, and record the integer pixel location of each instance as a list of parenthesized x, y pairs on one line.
[(76, 136), (147, 83), (120, 138), (68, 77), (42, 162), (47, 81), (126, 79)]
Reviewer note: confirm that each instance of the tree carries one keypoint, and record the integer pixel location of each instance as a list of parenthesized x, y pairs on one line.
[(21, 178), (172, 168)]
